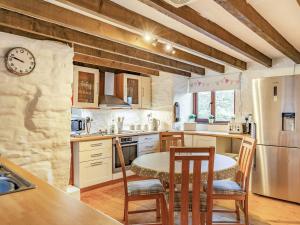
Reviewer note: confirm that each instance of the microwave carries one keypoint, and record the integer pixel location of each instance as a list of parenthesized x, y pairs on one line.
[(77, 125)]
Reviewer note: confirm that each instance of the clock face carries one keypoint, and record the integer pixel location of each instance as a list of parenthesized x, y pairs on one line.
[(20, 61)]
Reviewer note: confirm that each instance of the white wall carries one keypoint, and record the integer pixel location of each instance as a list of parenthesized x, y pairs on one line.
[(35, 109)]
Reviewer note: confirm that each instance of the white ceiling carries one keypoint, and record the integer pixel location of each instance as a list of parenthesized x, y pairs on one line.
[(284, 15)]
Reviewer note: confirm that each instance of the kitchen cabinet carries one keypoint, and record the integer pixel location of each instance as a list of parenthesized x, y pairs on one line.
[(134, 89), (146, 93), (188, 140), (85, 87), (148, 144), (204, 141), (222, 144), (92, 162)]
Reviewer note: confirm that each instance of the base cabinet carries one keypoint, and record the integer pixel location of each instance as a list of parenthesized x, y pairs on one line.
[(148, 144), (92, 162), (222, 144)]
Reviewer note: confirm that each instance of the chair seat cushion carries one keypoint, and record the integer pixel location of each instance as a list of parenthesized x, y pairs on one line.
[(227, 187), (145, 187), (177, 201)]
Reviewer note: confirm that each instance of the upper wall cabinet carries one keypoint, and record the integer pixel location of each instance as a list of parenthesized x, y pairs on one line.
[(136, 90), (85, 87), (146, 97)]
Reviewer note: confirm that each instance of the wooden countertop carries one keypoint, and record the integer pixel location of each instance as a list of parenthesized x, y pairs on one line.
[(201, 133), (46, 205), (216, 134)]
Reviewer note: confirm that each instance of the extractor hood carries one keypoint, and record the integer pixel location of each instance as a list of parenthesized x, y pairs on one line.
[(108, 100)]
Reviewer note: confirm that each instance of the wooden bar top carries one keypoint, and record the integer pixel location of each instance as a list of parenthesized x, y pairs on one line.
[(216, 134), (46, 205)]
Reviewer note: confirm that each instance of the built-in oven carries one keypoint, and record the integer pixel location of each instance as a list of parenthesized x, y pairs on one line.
[(130, 151)]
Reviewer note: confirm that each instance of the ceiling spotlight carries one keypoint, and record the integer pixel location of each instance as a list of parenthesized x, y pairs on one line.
[(173, 52), (155, 42), (168, 47), (148, 37)]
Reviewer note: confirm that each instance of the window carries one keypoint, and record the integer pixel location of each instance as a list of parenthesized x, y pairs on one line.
[(220, 104)]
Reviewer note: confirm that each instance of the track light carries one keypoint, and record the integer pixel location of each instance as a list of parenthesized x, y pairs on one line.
[(148, 37), (168, 47)]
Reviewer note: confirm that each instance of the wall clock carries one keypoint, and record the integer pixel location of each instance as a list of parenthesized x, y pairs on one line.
[(20, 61)]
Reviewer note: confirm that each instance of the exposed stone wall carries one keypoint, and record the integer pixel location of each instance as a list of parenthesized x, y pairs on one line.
[(35, 109)]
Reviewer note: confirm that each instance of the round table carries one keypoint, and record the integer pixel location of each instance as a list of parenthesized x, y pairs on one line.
[(156, 165)]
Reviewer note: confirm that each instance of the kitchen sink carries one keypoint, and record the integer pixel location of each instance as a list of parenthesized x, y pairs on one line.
[(11, 182)]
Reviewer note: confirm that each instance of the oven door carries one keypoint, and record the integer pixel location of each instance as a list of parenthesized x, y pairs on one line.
[(130, 151)]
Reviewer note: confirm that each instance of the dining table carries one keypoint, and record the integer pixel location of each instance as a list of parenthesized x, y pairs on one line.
[(157, 165)]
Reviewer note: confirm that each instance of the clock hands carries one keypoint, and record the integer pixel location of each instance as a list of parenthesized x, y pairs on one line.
[(18, 59)]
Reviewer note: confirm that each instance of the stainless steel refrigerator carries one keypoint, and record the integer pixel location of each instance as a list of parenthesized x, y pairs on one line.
[(276, 170)]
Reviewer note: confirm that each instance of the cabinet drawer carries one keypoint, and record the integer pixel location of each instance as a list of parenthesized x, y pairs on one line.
[(95, 154), (92, 145), (148, 138), (148, 147), (95, 172)]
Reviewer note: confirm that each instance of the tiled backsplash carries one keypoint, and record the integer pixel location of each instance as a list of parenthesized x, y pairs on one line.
[(102, 118)]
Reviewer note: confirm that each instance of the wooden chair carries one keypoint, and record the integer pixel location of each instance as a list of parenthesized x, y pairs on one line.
[(150, 189), (195, 199), (237, 190), (169, 139)]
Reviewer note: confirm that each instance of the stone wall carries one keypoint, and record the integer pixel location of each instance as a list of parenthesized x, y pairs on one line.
[(35, 109)]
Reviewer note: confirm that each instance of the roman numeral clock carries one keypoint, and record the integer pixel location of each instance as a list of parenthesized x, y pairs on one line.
[(20, 61)]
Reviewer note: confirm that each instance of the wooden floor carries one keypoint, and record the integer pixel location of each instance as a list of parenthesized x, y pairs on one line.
[(263, 211)]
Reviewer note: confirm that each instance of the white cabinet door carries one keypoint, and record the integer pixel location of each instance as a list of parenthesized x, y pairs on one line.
[(146, 98), (85, 87), (95, 172), (188, 140), (204, 141), (148, 144)]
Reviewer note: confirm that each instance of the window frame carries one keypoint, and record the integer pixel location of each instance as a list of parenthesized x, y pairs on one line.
[(212, 107)]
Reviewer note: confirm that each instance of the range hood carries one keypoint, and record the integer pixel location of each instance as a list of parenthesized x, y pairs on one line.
[(108, 100)]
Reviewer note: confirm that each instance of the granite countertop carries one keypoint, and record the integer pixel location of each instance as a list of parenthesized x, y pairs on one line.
[(46, 205)]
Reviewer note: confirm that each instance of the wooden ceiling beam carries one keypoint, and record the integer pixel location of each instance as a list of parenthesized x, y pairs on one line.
[(120, 58), (86, 59), (51, 13), (114, 12), (246, 14), (194, 20), (35, 26)]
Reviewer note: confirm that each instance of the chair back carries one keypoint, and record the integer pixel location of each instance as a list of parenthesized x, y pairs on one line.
[(245, 161), (122, 161), (170, 139), (191, 161)]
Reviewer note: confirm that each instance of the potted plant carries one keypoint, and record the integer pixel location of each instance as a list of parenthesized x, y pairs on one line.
[(192, 118), (211, 119)]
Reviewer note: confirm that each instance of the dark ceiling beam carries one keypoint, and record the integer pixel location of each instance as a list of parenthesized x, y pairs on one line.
[(24, 23), (246, 14), (86, 59), (114, 12), (120, 58), (51, 13), (194, 20)]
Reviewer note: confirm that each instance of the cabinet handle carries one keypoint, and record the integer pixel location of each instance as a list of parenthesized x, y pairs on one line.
[(96, 164), (96, 155), (143, 92), (95, 145)]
